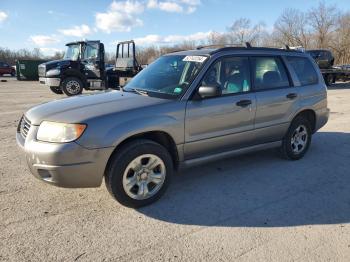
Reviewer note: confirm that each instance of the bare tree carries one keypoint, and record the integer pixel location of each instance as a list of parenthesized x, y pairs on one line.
[(242, 30), (58, 55), (340, 43), (323, 20), (216, 38), (291, 28)]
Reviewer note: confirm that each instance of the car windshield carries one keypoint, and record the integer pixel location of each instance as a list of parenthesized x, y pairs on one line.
[(314, 54), (167, 77), (72, 52)]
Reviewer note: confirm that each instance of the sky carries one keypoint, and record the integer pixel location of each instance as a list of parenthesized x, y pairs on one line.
[(50, 24)]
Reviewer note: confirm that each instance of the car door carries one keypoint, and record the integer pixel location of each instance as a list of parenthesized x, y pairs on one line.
[(91, 61), (276, 98), (222, 123)]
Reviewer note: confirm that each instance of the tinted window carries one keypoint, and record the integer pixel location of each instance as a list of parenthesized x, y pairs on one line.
[(231, 74), (269, 72), (304, 70)]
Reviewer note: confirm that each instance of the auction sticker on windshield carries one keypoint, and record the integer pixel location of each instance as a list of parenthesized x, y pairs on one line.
[(194, 58)]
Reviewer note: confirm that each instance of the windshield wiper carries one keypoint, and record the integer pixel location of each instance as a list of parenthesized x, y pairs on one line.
[(138, 91)]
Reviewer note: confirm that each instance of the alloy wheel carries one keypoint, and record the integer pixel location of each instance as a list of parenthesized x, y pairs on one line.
[(144, 176)]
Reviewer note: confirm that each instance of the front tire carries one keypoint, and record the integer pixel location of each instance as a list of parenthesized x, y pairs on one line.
[(139, 173), (56, 89), (72, 86), (297, 140)]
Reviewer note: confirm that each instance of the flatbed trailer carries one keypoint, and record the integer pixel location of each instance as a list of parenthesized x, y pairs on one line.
[(331, 75)]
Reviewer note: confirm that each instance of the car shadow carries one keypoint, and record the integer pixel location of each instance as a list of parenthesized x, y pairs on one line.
[(263, 190), (339, 85)]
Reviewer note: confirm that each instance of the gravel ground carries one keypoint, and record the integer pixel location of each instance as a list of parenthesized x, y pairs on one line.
[(256, 207)]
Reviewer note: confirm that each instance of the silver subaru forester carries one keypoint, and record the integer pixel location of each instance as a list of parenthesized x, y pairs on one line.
[(186, 108)]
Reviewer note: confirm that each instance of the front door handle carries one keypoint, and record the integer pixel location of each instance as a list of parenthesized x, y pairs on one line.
[(292, 96), (244, 103)]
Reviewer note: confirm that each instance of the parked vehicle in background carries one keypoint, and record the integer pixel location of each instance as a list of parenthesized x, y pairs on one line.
[(323, 58), (325, 61), (6, 69), (27, 69), (83, 67), (186, 108)]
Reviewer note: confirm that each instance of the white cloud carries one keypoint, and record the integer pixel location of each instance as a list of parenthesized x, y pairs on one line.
[(77, 31), (177, 6), (43, 40), (170, 7), (120, 17), (171, 39), (3, 16), (115, 21), (48, 51), (129, 7)]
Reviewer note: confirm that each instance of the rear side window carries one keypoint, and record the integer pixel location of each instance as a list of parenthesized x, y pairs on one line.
[(269, 73), (304, 70)]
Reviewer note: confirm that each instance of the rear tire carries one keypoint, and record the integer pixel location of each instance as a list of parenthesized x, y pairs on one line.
[(139, 173), (297, 140), (72, 86), (328, 79), (56, 89)]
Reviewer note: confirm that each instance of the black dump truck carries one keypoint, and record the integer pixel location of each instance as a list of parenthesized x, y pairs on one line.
[(325, 61), (83, 67)]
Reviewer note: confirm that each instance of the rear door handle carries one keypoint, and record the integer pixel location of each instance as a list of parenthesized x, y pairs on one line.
[(292, 96), (244, 103)]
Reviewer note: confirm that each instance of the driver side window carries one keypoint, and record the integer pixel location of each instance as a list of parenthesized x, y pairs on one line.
[(231, 74), (91, 51)]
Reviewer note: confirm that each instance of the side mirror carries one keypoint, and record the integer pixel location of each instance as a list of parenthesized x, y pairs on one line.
[(209, 91)]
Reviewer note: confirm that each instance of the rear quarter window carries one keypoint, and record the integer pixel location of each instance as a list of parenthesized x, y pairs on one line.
[(304, 70)]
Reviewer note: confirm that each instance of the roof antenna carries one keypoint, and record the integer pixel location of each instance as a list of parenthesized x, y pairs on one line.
[(248, 45)]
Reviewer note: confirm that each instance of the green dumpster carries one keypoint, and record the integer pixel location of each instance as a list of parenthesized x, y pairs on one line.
[(28, 69)]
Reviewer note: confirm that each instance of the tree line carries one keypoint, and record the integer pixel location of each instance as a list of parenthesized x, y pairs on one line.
[(321, 27)]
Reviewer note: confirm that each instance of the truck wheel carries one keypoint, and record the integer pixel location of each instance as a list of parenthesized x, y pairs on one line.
[(72, 86), (328, 79), (297, 140), (139, 173), (56, 90)]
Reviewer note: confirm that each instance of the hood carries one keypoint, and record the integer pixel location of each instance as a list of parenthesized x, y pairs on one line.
[(57, 63), (79, 109)]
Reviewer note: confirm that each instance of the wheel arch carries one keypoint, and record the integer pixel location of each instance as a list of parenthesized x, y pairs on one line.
[(74, 73), (160, 137), (310, 115)]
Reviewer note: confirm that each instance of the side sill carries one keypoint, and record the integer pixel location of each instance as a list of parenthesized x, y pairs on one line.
[(227, 154)]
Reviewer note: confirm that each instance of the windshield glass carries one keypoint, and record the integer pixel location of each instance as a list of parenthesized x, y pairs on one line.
[(314, 54), (168, 77), (72, 52)]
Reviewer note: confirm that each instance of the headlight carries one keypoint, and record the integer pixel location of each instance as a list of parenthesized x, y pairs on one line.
[(59, 132), (53, 72)]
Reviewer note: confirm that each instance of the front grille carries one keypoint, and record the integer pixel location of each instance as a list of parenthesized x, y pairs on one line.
[(24, 126), (41, 70)]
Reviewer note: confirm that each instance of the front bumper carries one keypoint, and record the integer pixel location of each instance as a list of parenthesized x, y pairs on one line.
[(65, 165), (48, 81)]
